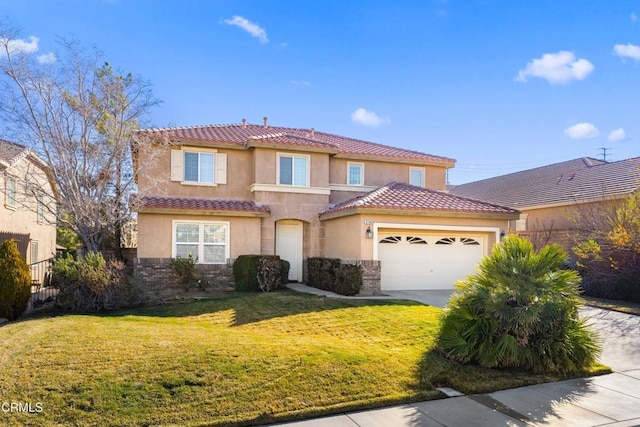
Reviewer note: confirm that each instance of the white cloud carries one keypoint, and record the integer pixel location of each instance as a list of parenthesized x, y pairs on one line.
[(617, 135), (560, 67), (21, 46), (582, 131), (47, 58), (627, 51), (368, 118), (300, 83), (633, 17), (254, 29)]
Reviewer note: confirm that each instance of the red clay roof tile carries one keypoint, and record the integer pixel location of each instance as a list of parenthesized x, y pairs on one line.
[(242, 134), (193, 203), (408, 197)]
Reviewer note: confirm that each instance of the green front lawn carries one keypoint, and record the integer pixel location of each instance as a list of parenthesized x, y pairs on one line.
[(238, 359)]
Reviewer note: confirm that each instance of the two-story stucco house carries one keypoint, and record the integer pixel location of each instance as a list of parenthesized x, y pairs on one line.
[(27, 208), (221, 191)]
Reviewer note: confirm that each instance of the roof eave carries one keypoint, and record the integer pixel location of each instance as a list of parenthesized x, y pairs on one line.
[(576, 201), (202, 212), (420, 212), (252, 143), (447, 163)]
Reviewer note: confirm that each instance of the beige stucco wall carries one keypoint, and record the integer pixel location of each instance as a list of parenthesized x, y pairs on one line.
[(345, 237), (557, 224), (155, 175), (265, 165), (23, 219), (155, 234), (377, 173), (302, 207)]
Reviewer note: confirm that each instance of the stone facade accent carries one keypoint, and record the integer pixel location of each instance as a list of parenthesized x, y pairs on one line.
[(370, 276), (156, 282)]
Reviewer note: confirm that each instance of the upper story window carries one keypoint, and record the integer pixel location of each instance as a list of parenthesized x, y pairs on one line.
[(206, 167), (416, 176), (199, 167), (293, 170), (10, 191), (355, 173)]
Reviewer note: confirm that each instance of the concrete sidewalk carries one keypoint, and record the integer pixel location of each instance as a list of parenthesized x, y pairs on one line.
[(608, 400)]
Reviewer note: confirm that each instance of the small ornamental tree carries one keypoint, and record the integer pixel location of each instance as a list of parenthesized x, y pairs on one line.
[(520, 310), (607, 250), (15, 281)]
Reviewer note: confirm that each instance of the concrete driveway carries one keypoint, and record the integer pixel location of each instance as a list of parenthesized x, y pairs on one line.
[(436, 298)]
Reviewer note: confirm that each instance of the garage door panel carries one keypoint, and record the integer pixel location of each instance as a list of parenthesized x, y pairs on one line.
[(414, 260)]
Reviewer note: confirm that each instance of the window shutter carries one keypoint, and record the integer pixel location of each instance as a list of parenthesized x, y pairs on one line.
[(177, 169), (221, 168)]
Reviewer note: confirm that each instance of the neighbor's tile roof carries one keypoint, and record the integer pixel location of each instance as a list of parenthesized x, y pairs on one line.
[(11, 152), (399, 196), (243, 134), (565, 182), (194, 203)]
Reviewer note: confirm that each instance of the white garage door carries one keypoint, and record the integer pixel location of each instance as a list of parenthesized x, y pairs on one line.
[(427, 261)]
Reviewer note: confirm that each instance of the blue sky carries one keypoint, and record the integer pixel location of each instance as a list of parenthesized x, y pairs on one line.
[(500, 86)]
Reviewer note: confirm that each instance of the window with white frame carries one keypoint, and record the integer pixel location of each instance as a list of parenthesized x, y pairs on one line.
[(34, 252), (416, 177), (206, 241), (199, 167), (355, 173), (293, 170), (10, 191), (40, 207)]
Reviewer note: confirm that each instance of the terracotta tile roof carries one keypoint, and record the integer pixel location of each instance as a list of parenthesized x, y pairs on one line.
[(565, 182), (397, 196), (193, 203), (10, 152), (242, 134)]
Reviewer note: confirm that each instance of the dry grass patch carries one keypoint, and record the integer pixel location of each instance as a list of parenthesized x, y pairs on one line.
[(241, 359)]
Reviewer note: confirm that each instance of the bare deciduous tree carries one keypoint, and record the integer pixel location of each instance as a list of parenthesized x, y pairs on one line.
[(79, 115)]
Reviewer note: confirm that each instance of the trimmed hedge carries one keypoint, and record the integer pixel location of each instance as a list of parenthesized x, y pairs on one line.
[(285, 266), (330, 274), (246, 270)]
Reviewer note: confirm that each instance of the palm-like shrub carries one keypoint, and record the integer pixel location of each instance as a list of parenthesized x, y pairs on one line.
[(520, 310)]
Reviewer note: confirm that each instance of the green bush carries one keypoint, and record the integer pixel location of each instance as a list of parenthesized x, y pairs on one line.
[(92, 284), (269, 271), (184, 270), (520, 310), (331, 275), (247, 269), (285, 266), (15, 281)]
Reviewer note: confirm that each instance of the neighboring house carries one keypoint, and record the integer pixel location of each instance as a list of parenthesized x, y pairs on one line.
[(552, 197), (27, 208), (222, 191)]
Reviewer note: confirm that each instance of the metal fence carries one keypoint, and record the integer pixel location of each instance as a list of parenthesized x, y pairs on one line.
[(42, 290)]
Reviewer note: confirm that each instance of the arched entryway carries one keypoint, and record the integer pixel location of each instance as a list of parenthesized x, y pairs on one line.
[(289, 246)]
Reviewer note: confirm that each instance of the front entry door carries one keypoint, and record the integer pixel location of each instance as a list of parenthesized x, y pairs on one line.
[(289, 246)]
